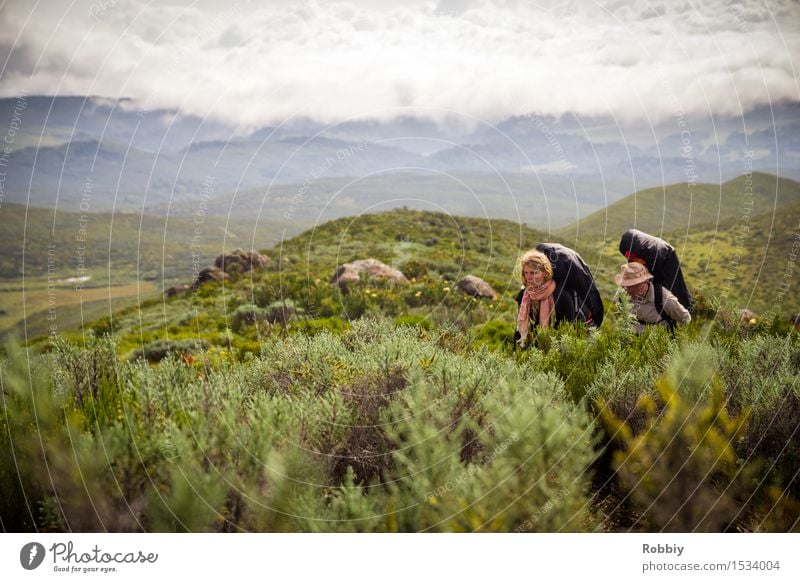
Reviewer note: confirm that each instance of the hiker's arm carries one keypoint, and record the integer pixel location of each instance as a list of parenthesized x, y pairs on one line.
[(675, 310), (517, 335)]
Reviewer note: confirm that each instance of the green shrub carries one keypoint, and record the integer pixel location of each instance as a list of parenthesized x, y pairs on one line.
[(682, 470), (381, 424), (530, 474), (414, 268), (494, 334), (157, 350), (419, 321), (246, 315), (312, 327)]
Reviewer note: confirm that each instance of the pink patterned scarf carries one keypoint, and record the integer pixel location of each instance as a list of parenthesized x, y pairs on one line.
[(541, 299)]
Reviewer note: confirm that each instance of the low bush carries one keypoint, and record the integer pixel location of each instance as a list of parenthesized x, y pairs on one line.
[(409, 424), (157, 350)]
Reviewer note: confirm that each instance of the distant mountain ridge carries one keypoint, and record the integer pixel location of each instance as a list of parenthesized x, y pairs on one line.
[(138, 159)]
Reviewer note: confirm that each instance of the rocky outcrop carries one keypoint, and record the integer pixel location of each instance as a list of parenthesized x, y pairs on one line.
[(371, 268), (241, 261), (476, 287)]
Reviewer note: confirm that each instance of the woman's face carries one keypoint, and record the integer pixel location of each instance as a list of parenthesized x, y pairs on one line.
[(533, 276)]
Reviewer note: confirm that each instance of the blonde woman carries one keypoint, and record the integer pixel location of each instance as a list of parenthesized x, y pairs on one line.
[(540, 303)]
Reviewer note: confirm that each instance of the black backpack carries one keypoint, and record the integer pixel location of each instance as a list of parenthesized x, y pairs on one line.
[(661, 260), (573, 276)]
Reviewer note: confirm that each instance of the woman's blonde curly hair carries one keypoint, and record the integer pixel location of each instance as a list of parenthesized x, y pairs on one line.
[(535, 260)]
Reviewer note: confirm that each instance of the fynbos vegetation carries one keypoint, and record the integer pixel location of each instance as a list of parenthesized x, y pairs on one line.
[(396, 428), (277, 401)]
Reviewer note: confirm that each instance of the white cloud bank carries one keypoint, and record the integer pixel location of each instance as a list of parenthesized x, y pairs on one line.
[(254, 64)]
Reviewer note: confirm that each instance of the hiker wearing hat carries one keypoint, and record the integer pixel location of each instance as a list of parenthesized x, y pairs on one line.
[(650, 302)]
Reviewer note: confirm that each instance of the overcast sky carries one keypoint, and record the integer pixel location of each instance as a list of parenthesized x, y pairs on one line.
[(254, 63)]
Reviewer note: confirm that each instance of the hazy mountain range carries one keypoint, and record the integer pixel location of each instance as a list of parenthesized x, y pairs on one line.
[(97, 154)]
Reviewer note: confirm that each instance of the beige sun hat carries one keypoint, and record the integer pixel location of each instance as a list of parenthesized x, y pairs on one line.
[(632, 274)]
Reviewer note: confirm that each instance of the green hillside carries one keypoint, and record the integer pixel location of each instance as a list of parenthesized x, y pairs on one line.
[(434, 250), (678, 208), (446, 244), (120, 247), (753, 263)]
